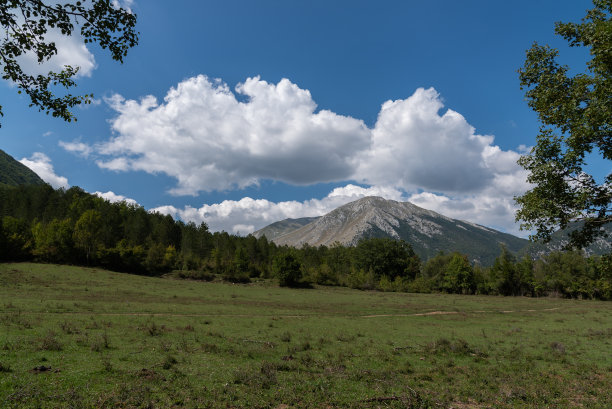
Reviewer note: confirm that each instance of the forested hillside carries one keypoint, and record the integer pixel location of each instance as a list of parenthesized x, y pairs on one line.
[(74, 227), (14, 173)]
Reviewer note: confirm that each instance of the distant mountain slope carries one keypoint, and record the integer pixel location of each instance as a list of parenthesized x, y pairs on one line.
[(282, 227), (601, 245), (14, 173), (428, 232)]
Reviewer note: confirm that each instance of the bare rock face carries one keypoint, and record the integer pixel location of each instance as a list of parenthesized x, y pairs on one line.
[(428, 232), (349, 223)]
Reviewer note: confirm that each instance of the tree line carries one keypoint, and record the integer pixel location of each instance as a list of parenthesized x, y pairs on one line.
[(39, 223)]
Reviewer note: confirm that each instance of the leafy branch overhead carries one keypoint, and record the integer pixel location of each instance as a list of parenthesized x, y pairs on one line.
[(576, 117), (26, 25)]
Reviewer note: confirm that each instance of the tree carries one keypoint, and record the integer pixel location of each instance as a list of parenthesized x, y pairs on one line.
[(385, 256), (288, 270), (576, 116), (53, 241), (17, 239), (458, 275), (26, 25), (87, 231)]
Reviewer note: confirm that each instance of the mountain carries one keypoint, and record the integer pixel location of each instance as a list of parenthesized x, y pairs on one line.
[(14, 173), (428, 232), (278, 229), (558, 240)]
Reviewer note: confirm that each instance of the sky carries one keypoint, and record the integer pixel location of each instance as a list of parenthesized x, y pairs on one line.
[(240, 113)]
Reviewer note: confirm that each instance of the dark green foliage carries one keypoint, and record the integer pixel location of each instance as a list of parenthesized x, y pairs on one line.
[(451, 273), (17, 239), (288, 270), (569, 274), (382, 256), (576, 116), (239, 270), (25, 24), (512, 278), (72, 226), (53, 241), (154, 261), (458, 276), (14, 173)]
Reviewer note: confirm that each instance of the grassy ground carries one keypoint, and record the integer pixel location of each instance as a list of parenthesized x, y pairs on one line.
[(76, 337)]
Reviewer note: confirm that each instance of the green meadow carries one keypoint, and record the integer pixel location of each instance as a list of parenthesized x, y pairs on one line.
[(73, 337)]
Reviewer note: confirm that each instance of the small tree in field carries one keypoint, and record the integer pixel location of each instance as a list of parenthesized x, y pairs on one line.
[(288, 269)]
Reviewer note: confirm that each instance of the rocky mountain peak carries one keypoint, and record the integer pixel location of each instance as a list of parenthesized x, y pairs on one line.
[(428, 232)]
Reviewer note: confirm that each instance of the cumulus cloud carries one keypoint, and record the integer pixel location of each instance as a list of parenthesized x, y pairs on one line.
[(115, 198), (208, 139), (41, 165), (416, 147), (247, 215)]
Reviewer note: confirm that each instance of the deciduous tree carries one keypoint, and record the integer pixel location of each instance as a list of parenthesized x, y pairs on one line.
[(86, 232), (576, 116)]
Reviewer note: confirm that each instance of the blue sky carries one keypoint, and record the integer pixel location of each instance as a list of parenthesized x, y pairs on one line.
[(241, 113)]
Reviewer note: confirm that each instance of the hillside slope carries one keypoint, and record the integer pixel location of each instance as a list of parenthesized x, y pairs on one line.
[(14, 173)]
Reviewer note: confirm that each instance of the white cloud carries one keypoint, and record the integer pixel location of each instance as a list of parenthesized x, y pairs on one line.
[(207, 139), (117, 164), (414, 147), (114, 198), (247, 215), (41, 165), (211, 138), (76, 147), (125, 4)]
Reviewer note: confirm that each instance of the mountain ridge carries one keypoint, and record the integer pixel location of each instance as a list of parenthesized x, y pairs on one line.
[(427, 231)]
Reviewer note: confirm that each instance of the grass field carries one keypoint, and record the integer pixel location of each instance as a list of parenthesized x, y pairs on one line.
[(77, 337)]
